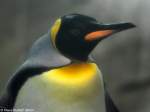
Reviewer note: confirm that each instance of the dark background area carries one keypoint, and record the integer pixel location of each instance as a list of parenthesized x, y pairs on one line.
[(124, 58)]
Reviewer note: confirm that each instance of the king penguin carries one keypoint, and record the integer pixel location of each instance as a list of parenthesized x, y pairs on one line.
[(59, 74)]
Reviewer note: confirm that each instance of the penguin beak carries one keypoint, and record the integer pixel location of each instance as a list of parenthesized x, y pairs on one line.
[(105, 30)]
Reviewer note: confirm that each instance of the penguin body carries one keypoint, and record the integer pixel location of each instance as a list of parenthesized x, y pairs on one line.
[(59, 73), (65, 90)]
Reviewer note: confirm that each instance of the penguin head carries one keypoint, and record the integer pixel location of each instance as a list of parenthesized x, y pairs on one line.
[(76, 35)]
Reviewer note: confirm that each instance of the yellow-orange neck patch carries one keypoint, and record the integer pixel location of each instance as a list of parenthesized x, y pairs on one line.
[(54, 30), (74, 74)]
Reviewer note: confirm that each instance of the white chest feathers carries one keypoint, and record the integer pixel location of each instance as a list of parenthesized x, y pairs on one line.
[(74, 88)]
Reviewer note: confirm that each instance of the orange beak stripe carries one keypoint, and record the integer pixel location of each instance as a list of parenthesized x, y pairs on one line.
[(97, 35)]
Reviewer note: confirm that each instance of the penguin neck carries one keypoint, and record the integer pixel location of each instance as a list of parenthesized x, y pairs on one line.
[(76, 74)]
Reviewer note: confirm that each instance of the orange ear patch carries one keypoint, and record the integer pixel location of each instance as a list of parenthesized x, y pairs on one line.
[(97, 35)]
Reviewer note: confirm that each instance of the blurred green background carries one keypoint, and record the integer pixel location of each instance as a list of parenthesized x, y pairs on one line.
[(124, 58)]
